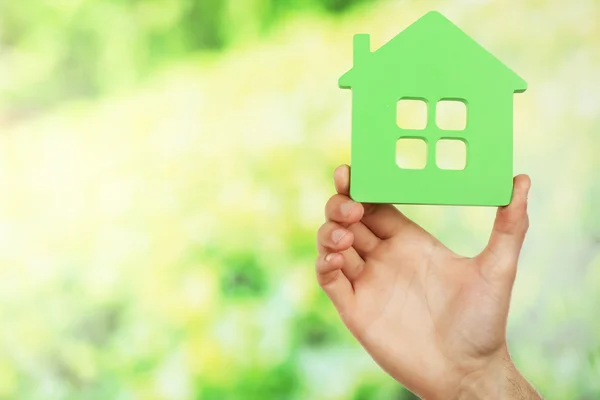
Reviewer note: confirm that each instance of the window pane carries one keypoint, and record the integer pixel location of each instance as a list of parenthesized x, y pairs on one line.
[(411, 114), (451, 154), (411, 153), (451, 115)]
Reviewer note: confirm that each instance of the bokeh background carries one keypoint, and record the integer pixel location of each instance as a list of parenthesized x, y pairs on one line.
[(163, 170)]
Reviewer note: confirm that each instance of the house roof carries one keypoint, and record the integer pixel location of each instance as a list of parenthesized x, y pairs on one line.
[(433, 32)]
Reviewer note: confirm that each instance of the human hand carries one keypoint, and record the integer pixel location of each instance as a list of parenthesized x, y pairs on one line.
[(432, 319)]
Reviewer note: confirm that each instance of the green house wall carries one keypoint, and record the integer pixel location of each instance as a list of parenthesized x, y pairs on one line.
[(489, 136)]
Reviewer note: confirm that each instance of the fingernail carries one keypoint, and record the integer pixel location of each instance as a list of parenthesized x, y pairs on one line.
[(338, 234), (347, 208), (328, 257)]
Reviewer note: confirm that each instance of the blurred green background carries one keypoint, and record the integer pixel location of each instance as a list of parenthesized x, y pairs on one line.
[(163, 170)]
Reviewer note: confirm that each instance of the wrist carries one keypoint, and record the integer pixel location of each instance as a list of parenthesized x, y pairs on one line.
[(500, 380), (487, 382)]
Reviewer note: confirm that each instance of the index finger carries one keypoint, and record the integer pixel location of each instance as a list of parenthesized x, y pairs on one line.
[(384, 220), (341, 179)]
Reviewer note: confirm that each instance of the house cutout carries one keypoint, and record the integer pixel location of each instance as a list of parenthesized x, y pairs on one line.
[(435, 64)]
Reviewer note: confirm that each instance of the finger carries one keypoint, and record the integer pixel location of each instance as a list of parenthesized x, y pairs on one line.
[(354, 264), (332, 238), (341, 179), (384, 220), (508, 233), (342, 209), (347, 213), (333, 282), (365, 241)]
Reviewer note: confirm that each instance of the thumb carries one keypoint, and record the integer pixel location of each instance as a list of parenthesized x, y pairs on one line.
[(508, 234)]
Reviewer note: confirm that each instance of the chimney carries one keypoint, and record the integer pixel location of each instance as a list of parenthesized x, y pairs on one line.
[(362, 47)]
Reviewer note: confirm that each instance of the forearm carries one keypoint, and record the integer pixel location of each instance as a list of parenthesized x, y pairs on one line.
[(502, 381)]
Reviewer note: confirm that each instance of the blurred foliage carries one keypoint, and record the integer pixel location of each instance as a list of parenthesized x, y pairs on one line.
[(157, 242), (58, 50)]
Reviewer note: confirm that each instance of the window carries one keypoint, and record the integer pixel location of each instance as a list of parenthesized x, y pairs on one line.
[(411, 114), (411, 153), (451, 115), (451, 154)]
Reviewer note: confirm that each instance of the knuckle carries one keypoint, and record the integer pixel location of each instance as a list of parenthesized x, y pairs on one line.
[(332, 209), (319, 263), (324, 234)]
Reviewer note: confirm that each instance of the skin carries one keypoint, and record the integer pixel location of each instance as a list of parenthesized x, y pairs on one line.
[(432, 319)]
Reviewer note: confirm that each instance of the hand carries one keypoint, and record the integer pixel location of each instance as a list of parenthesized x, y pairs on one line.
[(434, 320)]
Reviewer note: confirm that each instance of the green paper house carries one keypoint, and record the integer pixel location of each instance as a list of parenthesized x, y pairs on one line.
[(432, 63)]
